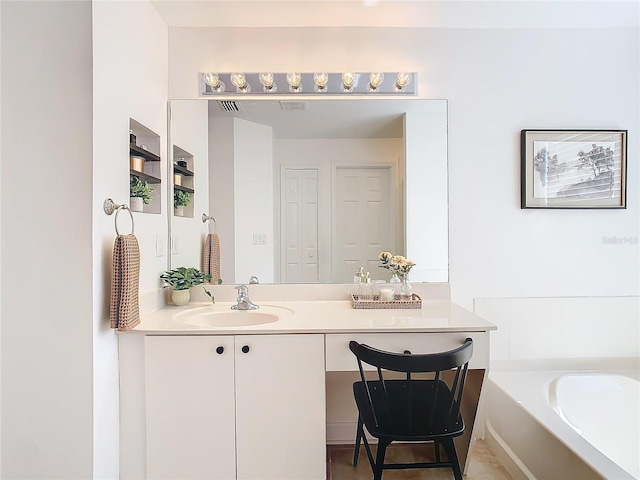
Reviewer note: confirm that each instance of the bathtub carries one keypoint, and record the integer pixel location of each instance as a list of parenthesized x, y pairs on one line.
[(572, 420)]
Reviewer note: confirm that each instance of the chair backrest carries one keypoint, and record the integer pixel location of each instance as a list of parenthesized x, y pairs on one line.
[(437, 363)]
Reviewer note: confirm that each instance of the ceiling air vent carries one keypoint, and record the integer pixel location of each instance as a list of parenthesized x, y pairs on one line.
[(229, 106), (293, 105)]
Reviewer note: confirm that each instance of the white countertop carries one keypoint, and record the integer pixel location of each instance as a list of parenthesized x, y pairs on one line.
[(321, 316)]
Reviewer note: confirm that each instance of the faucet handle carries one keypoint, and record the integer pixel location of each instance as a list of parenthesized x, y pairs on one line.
[(243, 290), (253, 280)]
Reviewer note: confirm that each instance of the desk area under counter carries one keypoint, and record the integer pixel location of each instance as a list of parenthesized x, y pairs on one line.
[(263, 401)]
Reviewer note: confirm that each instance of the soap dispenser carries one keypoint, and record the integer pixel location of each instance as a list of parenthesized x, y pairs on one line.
[(365, 288), (359, 275)]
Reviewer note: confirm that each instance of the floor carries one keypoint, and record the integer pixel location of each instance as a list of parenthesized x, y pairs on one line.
[(483, 464)]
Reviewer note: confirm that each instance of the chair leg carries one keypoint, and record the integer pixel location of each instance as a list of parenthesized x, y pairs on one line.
[(359, 434), (436, 450), (450, 450), (382, 448)]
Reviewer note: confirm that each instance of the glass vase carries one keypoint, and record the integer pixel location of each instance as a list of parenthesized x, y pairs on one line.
[(395, 283), (406, 292)]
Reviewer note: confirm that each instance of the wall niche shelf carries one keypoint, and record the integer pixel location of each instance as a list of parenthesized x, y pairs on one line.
[(183, 177), (143, 176), (141, 152), (184, 189), (140, 135), (182, 171)]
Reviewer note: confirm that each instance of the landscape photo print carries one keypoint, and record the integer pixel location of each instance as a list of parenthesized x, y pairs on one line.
[(573, 168)]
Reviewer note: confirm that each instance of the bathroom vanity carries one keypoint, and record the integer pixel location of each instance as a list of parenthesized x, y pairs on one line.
[(210, 393)]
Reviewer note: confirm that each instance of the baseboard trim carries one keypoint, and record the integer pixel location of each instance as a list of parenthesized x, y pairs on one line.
[(344, 433)]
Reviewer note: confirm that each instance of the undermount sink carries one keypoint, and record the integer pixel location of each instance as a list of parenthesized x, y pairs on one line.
[(213, 316)]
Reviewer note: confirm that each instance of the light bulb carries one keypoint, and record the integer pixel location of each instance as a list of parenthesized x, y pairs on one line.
[(294, 79), (348, 81), (267, 81), (320, 80), (375, 80), (403, 80), (213, 80), (240, 82)]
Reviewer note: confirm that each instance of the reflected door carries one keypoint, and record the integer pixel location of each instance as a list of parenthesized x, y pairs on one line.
[(300, 226), (363, 224)]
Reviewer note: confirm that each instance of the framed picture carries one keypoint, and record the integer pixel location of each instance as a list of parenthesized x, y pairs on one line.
[(573, 168)]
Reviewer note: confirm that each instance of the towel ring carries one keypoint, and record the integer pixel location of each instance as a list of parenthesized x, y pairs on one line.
[(205, 218), (110, 206)]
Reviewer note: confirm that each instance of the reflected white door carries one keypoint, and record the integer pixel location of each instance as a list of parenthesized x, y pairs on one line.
[(299, 213), (363, 224)]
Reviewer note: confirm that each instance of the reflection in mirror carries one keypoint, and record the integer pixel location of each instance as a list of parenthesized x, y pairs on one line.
[(308, 191)]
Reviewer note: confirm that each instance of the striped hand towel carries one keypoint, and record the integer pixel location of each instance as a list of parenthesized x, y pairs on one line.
[(124, 313), (211, 257)]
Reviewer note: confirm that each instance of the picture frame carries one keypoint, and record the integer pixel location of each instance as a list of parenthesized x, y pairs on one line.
[(573, 169)]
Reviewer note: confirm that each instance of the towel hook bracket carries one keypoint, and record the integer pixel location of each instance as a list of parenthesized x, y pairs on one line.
[(206, 218), (109, 206)]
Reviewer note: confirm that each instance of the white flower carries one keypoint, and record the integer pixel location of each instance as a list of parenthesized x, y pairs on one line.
[(396, 264)]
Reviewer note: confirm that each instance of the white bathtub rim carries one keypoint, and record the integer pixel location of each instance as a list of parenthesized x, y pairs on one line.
[(526, 392), (620, 453)]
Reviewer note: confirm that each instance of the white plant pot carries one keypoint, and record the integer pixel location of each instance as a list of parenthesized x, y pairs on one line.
[(180, 297), (136, 204), (179, 211)]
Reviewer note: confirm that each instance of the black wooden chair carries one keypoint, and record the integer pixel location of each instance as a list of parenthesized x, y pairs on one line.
[(412, 408)]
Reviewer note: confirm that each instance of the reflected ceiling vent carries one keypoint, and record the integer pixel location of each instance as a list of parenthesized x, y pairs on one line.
[(229, 106), (293, 105)]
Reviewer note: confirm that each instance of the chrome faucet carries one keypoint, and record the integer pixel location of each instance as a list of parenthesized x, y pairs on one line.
[(243, 300)]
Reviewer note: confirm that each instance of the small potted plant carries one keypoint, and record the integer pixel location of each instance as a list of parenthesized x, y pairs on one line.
[(181, 279), (140, 194), (180, 200)]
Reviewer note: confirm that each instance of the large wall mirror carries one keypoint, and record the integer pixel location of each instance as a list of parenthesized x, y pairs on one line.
[(307, 191)]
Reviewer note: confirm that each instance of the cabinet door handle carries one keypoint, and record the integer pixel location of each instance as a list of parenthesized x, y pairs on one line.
[(245, 349), (220, 350)]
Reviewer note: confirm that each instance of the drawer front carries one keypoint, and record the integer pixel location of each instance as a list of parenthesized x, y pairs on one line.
[(340, 359)]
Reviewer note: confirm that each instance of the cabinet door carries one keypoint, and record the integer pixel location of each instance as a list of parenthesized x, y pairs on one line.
[(190, 407), (280, 407)]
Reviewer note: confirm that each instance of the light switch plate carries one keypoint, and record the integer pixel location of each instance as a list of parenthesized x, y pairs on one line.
[(175, 245), (259, 238), (159, 246)]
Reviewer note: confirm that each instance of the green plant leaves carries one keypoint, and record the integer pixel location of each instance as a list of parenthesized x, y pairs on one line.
[(182, 278), (140, 188), (181, 198)]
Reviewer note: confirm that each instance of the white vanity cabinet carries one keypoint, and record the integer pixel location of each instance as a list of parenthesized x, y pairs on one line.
[(235, 407)]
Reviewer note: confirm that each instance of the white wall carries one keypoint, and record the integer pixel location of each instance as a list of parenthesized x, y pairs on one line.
[(189, 131), (583, 327), (221, 189), (497, 81), (426, 196), (0, 242), (253, 200), (46, 296), (130, 81)]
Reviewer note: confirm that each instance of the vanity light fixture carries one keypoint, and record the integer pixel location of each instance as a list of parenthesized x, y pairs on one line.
[(318, 83), (267, 81), (294, 80), (240, 82)]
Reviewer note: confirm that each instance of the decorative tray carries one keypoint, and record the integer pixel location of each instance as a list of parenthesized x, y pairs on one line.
[(415, 302)]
